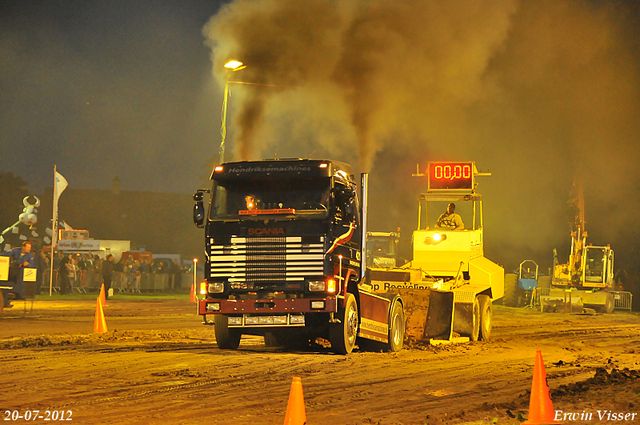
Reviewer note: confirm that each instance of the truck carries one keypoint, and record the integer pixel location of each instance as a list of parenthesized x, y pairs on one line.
[(285, 257), (286, 251)]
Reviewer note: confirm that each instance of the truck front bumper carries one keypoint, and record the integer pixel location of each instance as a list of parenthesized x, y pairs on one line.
[(268, 306)]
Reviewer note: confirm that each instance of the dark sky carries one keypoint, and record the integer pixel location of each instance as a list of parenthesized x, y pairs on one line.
[(531, 91), (106, 88)]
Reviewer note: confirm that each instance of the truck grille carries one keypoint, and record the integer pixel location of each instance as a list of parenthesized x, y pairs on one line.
[(251, 260)]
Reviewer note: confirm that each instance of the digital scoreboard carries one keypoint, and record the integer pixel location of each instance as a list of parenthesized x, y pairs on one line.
[(451, 176)]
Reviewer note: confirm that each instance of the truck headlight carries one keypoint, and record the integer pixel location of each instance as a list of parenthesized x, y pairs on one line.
[(216, 287), (317, 285)]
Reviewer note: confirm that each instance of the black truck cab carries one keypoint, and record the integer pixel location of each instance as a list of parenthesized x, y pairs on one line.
[(283, 245)]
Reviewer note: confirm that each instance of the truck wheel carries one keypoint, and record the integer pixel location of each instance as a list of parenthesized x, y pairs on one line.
[(227, 339), (343, 335), (396, 328), (510, 290), (486, 316)]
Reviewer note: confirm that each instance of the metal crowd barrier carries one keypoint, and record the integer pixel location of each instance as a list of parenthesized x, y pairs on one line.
[(90, 281), (148, 282), (623, 300)]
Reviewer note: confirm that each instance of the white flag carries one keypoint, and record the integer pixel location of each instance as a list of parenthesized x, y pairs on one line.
[(61, 185)]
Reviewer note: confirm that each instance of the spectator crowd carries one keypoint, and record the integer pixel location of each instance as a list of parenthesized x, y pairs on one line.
[(74, 272)]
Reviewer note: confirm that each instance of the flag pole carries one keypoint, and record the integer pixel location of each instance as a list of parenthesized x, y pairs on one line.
[(54, 233)]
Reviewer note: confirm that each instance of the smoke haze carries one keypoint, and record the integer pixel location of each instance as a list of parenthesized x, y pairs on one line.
[(529, 90)]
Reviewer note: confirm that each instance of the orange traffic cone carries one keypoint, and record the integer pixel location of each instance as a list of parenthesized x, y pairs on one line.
[(192, 297), (102, 297), (296, 414), (99, 325), (540, 405)]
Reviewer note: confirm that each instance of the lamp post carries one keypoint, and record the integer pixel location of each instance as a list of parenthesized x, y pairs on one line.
[(231, 66)]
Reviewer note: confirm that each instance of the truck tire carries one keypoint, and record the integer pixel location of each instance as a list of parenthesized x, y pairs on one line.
[(510, 290), (396, 328), (486, 317), (343, 335), (227, 339), (395, 336)]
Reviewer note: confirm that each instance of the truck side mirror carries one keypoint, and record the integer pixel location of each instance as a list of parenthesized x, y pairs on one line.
[(198, 209), (350, 208)]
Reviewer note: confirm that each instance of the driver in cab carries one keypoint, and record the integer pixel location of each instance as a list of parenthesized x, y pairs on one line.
[(450, 220), (252, 202)]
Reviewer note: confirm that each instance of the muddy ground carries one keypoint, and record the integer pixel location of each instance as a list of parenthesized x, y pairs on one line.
[(159, 365)]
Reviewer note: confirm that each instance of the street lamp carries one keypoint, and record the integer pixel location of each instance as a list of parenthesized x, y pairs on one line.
[(231, 66)]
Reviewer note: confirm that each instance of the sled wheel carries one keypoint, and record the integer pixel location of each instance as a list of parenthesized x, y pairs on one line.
[(343, 335), (475, 333), (486, 315), (396, 328), (510, 290), (228, 339)]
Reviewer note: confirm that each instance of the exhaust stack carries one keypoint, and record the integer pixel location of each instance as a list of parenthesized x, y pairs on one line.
[(364, 187)]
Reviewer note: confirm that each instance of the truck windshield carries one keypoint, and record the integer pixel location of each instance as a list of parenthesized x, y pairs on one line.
[(289, 198)]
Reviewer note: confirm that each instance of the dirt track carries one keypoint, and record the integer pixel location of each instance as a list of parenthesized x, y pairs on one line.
[(158, 364)]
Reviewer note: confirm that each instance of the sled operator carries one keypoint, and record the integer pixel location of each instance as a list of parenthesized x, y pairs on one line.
[(449, 219)]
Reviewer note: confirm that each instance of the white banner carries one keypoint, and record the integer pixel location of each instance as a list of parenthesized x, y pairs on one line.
[(78, 245)]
